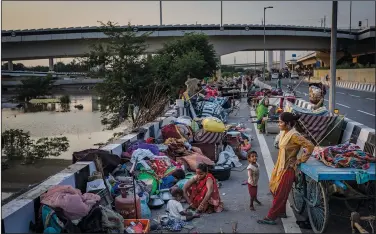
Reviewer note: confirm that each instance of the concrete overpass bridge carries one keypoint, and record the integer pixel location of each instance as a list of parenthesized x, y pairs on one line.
[(75, 42)]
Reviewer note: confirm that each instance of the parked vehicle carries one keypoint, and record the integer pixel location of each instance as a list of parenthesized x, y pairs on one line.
[(294, 75), (275, 76)]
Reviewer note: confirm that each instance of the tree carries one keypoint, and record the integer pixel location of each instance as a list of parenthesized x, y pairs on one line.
[(35, 86), (192, 55), (126, 72), (17, 145)]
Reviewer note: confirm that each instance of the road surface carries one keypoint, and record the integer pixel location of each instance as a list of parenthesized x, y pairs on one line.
[(356, 105)]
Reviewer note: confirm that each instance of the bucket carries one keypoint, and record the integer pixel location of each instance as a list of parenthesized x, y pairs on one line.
[(180, 103)]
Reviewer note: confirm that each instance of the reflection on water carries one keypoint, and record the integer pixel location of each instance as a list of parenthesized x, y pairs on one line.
[(82, 127)]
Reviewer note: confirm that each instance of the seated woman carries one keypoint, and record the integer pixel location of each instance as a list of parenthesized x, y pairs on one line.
[(201, 191)]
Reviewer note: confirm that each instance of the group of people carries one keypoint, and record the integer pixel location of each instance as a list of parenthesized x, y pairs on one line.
[(201, 192)]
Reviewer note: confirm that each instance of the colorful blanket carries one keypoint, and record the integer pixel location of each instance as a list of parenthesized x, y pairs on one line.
[(344, 155)]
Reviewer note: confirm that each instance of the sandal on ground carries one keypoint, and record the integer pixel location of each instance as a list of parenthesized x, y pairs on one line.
[(283, 216), (252, 208), (258, 202), (266, 221)]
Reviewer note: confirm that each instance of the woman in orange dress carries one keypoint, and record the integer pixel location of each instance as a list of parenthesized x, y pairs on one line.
[(283, 175), (201, 191)]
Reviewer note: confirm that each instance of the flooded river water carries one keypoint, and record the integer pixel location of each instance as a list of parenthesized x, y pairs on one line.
[(82, 127)]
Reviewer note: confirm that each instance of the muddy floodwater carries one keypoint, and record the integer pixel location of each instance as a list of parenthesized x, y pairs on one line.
[(82, 127)]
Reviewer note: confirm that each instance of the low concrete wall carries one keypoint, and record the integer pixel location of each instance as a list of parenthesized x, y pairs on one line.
[(361, 75), (18, 213)]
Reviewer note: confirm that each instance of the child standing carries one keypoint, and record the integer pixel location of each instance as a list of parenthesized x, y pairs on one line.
[(175, 208), (253, 176)]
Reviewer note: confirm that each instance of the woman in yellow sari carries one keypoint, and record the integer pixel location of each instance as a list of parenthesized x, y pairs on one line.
[(283, 175)]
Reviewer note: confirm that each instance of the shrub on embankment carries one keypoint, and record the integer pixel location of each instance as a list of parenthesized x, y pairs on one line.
[(146, 83), (17, 145)]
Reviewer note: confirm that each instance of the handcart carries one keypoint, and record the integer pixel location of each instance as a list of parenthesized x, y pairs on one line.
[(316, 184)]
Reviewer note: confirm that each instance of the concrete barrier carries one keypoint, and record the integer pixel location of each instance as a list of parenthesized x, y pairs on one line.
[(19, 212), (348, 85)]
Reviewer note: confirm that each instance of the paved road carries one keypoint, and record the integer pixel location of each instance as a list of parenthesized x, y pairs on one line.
[(356, 105)]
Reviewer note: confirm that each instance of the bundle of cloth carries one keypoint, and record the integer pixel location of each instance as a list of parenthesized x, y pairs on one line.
[(344, 155), (74, 204), (317, 92), (210, 92)]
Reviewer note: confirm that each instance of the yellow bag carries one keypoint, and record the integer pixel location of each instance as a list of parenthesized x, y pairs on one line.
[(212, 124)]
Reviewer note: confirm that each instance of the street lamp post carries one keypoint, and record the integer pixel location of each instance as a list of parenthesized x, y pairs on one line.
[(263, 70), (221, 14), (160, 13), (333, 59)]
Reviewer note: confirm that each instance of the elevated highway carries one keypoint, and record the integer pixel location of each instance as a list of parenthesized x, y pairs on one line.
[(75, 42)]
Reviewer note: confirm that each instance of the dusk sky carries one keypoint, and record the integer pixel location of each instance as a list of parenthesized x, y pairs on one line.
[(53, 14)]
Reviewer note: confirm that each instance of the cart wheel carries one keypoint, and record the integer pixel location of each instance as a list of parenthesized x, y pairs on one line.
[(299, 192), (318, 210)]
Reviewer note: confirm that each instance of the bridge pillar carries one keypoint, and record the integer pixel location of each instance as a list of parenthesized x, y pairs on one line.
[(282, 59), (51, 64), (10, 65), (270, 60)]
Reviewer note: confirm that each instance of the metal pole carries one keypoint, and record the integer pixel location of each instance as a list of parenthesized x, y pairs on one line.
[(255, 63), (367, 23), (221, 14), (350, 14), (333, 59), (263, 66), (324, 23), (160, 12)]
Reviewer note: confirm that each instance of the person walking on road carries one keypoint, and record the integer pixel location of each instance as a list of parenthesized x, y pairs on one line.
[(283, 174)]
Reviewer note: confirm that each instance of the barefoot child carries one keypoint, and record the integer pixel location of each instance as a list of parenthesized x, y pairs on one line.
[(175, 208), (253, 176)]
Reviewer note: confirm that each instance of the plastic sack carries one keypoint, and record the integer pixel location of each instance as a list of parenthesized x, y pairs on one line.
[(227, 157), (212, 124)]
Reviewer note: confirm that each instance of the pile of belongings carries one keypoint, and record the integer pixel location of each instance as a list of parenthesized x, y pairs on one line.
[(317, 92), (290, 107), (346, 155), (210, 92), (239, 138), (276, 92), (211, 109), (65, 209)]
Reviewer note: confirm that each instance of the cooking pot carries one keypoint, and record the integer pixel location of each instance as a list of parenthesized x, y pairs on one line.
[(155, 202), (165, 220), (165, 194)]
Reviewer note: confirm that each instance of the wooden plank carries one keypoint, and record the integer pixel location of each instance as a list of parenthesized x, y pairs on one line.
[(320, 172)]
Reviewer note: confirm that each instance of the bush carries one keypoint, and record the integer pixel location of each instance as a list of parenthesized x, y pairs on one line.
[(65, 99)]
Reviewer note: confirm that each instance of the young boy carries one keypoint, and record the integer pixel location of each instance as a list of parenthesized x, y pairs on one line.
[(253, 176), (175, 208)]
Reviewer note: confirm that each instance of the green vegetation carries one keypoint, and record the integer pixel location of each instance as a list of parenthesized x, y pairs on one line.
[(65, 99), (34, 87), (135, 81), (17, 145)]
